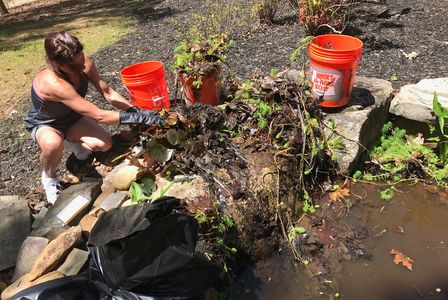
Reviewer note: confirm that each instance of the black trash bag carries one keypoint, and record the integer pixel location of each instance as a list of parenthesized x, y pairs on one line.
[(139, 252), (67, 288)]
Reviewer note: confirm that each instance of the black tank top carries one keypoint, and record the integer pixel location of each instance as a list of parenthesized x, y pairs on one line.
[(54, 114)]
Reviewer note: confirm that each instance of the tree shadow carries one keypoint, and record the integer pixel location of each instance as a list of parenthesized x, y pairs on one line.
[(372, 42), (34, 24), (390, 24)]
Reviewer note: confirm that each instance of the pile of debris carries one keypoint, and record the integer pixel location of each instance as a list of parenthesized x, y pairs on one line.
[(245, 171)]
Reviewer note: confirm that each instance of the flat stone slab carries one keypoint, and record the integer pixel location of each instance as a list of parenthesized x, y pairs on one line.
[(74, 262), (114, 200), (414, 101), (15, 226), (50, 226), (359, 123)]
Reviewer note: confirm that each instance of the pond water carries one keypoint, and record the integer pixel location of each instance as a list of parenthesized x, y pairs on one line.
[(414, 222)]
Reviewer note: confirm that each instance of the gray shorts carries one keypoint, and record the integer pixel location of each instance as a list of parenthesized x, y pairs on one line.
[(35, 128)]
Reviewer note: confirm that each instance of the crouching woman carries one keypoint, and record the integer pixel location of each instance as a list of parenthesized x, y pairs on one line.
[(59, 111)]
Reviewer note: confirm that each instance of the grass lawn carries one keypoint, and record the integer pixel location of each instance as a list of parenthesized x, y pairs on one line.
[(22, 51)]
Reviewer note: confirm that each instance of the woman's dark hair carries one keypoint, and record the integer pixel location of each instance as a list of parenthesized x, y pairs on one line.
[(61, 47)]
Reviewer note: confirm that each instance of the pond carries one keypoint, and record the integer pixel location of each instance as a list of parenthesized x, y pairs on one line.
[(414, 222)]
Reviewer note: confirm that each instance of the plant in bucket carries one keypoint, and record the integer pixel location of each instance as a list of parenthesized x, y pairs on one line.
[(146, 85), (333, 62), (197, 64)]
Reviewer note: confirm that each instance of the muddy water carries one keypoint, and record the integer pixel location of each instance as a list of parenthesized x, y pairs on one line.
[(414, 222)]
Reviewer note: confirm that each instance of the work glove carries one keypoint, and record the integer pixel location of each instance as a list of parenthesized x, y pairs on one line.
[(133, 109), (140, 117)]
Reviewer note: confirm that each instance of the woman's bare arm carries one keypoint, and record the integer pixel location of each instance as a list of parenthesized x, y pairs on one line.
[(64, 92), (108, 93)]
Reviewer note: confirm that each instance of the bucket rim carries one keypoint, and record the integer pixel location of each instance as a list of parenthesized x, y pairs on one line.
[(313, 44), (160, 64), (140, 79), (138, 83)]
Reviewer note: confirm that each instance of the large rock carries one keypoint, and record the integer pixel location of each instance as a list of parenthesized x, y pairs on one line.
[(55, 252), (30, 250), (15, 226), (24, 282), (359, 124), (123, 179), (50, 227), (107, 181), (195, 193), (415, 100)]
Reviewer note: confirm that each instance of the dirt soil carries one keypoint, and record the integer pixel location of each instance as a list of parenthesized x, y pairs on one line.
[(418, 26)]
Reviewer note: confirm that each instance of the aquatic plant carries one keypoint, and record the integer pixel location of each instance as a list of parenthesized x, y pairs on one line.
[(400, 157)]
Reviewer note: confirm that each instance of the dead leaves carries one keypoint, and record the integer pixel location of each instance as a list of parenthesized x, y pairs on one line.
[(399, 229), (401, 258), (339, 194)]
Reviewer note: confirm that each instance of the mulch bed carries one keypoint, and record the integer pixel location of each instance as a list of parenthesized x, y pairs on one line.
[(161, 24)]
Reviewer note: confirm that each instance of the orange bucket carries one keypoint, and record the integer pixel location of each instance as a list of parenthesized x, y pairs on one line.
[(208, 92), (146, 85), (333, 62)]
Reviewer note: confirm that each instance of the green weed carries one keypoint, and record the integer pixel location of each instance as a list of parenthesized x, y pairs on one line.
[(296, 230), (400, 156)]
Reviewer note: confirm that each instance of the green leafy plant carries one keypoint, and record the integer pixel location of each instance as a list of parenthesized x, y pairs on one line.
[(273, 72), (388, 193), (400, 156), (308, 205), (144, 190), (263, 110), (441, 116), (303, 44), (248, 93), (296, 230), (393, 78), (217, 224), (197, 58)]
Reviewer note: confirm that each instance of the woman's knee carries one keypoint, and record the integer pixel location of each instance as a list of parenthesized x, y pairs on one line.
[(99, 144), (52, 145), (90, 134)]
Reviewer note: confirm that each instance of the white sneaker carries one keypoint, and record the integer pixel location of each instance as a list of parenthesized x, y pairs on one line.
[(52, 188), (79, 151)]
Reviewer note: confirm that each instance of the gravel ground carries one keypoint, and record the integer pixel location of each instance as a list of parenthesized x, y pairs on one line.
[(422, 29)]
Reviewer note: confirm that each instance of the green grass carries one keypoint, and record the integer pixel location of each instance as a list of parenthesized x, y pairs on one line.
[(22, 51)]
